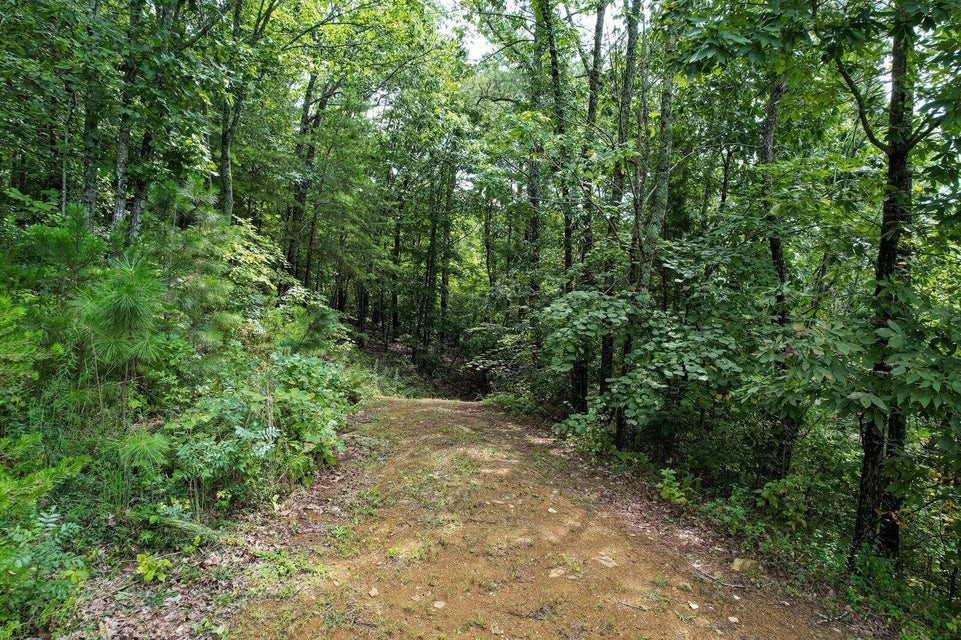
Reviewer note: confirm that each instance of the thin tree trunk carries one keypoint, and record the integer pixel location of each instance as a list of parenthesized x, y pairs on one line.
[(641, 170), (532, 230), (91, 147), (229, 117), (786, 431), (662, 169), (878, 506), (489, 244), (226, 165), (625, 109), (65, 152), (395, 260), (139, 188), (579, 375), (304, 151), (315, 216), (130, 73), (560, 131)]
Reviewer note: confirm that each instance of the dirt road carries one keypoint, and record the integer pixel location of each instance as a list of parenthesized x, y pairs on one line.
[(453, 520)]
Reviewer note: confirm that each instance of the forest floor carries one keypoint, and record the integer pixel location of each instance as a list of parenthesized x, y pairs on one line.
[(449, 519)]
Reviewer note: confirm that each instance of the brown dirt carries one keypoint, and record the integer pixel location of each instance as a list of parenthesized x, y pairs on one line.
[(457, 521)]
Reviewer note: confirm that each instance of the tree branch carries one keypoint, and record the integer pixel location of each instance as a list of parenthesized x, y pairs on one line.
[(862, 108)]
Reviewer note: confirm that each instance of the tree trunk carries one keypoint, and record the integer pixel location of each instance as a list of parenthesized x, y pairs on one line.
[(662, 169), (533, 227), (226, 165), (130, 72), (878, 506), (579, 375), (625, 107), (395, 260), (425, 325), (139, 187), (362, 299), (641, 169), (304, 151), (489, 244), (786, 429), (229, 118), (91, 147)]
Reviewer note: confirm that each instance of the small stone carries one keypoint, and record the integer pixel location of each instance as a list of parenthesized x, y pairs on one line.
[(557, 572), (439, 604), (744, 564), (685, 586), (606, 560), (693, 605), (551, 510), (373, 592), (733, 619)]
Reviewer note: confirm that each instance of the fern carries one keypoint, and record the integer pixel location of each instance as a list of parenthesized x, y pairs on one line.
[(187, 526)]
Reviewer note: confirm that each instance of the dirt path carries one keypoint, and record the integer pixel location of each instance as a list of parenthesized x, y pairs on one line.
[(457, 522)]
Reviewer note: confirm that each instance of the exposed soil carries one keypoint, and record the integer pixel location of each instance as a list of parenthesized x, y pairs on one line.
[(450, 519)]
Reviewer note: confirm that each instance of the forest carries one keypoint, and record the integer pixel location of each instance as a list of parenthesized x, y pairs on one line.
[(715, 247)]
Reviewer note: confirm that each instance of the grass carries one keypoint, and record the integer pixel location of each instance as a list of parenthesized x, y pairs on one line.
[(343, 540), (363, 504)]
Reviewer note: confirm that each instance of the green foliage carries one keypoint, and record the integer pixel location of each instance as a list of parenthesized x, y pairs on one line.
[(151, 568), (170, 366), (121, 313), (576, 319), (24, 476), (787, 500), (39, 571), (143, 450), (39, 576), (670, 487), (695, 261), (19, 353), (264, 427)]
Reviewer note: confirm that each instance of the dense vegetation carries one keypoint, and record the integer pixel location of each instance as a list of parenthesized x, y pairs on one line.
[(717, 243)]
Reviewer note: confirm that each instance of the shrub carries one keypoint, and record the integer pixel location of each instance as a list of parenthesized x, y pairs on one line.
[(39, 575)]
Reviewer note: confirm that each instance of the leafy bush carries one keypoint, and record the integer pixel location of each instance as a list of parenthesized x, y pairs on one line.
[(264, 427), (39, 575), (670, 487), (158, 386), (787, 500), (151, 567)]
